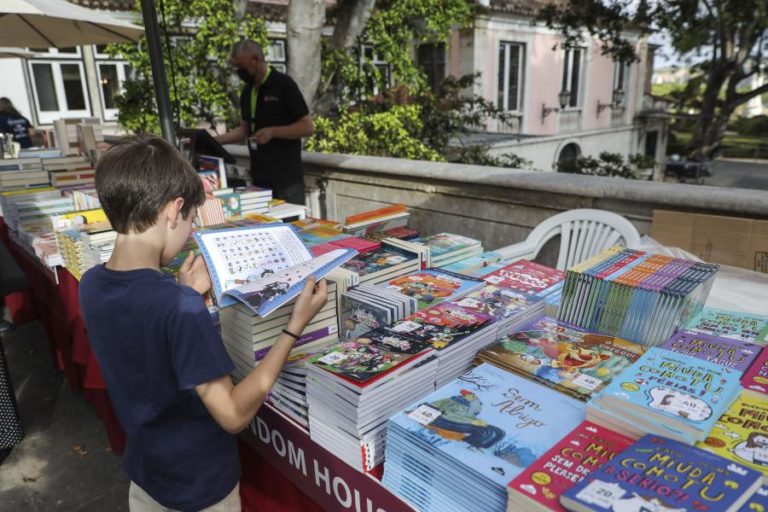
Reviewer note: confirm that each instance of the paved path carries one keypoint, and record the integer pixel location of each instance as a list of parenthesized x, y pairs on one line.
[(751, 174)]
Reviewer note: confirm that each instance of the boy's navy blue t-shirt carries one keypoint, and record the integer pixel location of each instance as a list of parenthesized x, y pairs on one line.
[(155, 341)]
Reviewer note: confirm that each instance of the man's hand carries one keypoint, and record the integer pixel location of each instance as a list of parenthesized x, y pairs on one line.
[(194, 273), (263, 136)]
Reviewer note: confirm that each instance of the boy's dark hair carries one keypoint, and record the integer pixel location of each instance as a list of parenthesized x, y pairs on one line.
[(138, 176)]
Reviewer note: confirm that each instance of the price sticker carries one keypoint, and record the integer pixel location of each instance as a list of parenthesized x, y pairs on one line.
[(600, 493), (424, 414), (494, 279), (406, 326), (333, 329), (333, 358), (587, 382)]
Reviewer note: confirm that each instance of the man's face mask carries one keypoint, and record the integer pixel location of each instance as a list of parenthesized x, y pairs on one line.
[(244, 75)]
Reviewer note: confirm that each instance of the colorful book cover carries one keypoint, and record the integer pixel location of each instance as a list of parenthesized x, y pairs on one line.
[(526, 276), (358, 317), (498, 302), (731, 324), (664, 384), (579, 453), (444, 243), (741, 434), (661, 475), (442, 325), (491, 421), (379, 260), (432, 286), (756, 378), (726, 352), (566, 357), (758, 502), (230, 203)]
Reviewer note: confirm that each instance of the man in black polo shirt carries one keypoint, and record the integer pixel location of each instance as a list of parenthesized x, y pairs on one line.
[(274, 119)]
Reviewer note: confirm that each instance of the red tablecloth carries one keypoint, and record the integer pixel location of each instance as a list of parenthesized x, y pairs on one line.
[(261, 487)]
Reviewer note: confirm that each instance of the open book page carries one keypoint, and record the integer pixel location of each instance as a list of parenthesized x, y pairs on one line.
[(236, 256), (270, 292)]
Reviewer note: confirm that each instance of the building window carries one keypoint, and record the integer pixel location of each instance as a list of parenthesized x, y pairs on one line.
[(68, 53), (276, 55), (621, 79), (112, 75), (369, 57), (573, 62), (511, 61), (59, 90), (431, 59)]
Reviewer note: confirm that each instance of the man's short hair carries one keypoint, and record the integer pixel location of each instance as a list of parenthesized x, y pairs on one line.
[(249, 47), (137, 177)]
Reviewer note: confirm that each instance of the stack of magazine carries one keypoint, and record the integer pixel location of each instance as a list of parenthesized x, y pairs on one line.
[(635, 295), (457, 448), (448, 248), (355, 386), (365, 308)]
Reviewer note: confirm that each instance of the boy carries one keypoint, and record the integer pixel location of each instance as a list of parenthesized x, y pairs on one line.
[(166, 369)]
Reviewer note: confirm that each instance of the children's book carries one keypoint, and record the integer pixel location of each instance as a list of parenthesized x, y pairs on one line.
[(489, 421), (723, 351), (432, 286), (731, 324), (379, 260), (741, 434), (263, 266), (527, 276), (445, 243), (758, 502), (679, 395), (756, 378), (442, 325), (567, 358), (213, 170), (498, 302), (579, 453), (358, 317), (662, 475)]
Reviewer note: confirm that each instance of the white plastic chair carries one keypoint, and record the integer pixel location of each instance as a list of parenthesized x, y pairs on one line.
[(583, 233)]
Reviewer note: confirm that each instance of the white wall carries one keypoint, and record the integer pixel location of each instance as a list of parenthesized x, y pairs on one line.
[(14, 87)]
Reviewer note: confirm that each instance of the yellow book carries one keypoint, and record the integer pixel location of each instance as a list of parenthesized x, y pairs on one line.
[(80, 219), (741, 435)]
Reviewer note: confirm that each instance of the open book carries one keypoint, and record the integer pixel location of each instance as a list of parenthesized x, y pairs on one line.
[(262, 266)]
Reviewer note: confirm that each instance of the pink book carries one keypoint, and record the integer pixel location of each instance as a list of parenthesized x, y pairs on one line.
[(580, 452), (756, 377), (526, 276)]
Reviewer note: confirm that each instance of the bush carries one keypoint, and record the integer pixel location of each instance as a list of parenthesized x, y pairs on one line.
[(607, 164), (757, 125)]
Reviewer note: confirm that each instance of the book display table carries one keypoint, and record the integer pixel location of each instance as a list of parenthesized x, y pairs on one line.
[(308, 478)]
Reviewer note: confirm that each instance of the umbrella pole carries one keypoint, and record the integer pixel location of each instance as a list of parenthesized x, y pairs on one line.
[(159, 78)]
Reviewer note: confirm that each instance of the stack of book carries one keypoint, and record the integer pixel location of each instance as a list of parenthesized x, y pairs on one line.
[(731, 325), (384, 264), (476, 266), (254, 199), (432, 286), (84, 198), (286, 210), (756, 377), (313, 222), (40, 210), (82, 249), (635, 295), (361, 245), (401, 233), (366, 307), (69, 171), (456, 334), (9, 197), (668, 394), (527, 276), (458, 448), (660, 474), (22, 173), (735, 354), (374, 221), (248, 337), (571, 360), (353, 388), (579, 453), (448, 248), (510, 308)]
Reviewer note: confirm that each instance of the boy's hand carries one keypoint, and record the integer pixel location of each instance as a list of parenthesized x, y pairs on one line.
[(194, 273), (312, 299)]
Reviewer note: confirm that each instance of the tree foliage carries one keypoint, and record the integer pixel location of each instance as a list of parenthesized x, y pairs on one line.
[(730, 36), (607, 164)]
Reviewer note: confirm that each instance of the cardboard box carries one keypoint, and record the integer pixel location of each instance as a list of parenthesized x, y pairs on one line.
[(733, 241)]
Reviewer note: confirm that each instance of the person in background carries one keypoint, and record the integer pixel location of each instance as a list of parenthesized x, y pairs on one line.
[(11, 121), (274, 119)]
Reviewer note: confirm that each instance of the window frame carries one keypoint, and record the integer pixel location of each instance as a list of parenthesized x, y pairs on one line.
[(621, 72), (110, 114), (576, 103), (434, 63), (48, 117), (276, 63), (377, 62), (504, 88)]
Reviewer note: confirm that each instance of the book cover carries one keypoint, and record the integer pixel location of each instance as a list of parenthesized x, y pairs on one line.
[(432, 286), (741, 434), (580, 452), (358, 317), (731, 324), (444, 243), (661, 475), (378, 260), (569, 358), (526, 276), (723, 351), (230, 203), (492, 421), (442, 325), (683, 388), (756, 377), (758, 502), (497, 301)]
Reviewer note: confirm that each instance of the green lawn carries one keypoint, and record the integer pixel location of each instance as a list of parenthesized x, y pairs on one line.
[(734, 145)]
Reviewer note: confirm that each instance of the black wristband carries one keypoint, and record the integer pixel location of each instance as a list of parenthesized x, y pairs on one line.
[(289, 333)]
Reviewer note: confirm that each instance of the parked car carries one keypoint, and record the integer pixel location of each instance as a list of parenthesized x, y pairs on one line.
[(686, 170)]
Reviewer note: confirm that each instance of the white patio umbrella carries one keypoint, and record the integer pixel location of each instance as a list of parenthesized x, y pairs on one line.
[(60, 24), (15, 53)]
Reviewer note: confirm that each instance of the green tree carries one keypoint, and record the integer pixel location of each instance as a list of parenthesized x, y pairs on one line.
[(729, 35), (197, 37)]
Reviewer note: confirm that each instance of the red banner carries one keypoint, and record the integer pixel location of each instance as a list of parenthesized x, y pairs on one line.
[(331, 483)]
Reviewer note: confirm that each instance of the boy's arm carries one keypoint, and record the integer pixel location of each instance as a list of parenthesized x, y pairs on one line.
[(232, 406)]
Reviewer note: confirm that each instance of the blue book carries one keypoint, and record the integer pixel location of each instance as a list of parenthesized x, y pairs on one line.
[(671, 394), (758, 502), (657, 474)]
